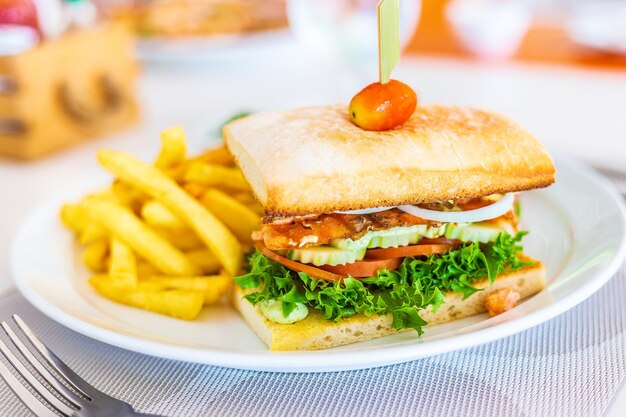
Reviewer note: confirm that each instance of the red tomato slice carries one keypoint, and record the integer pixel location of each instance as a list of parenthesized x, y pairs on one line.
[(401, 252), (363, 269), (298, 266)]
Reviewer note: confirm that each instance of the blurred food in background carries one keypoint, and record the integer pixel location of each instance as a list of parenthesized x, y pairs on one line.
[(65, 76), (215, 31), (180, 18)]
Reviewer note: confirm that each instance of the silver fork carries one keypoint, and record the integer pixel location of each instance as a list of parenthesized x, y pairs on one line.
[(80, 399)]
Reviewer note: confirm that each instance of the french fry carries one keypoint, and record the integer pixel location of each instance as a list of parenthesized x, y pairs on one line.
[(157, 215), (95, 255), (211, 175), (128, 195), (184, 240), (177, 173), (90, 233), (245, 197), (146, 269), (213, 287), (124, 225), (239, 218), (205, 260), (195, 190), (218, 156), (76, 218), (163, 189), (104, 194), (173, 148), (181, 304), (123, 265)]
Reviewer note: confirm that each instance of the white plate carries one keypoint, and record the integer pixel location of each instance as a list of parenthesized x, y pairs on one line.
[(578, 229)]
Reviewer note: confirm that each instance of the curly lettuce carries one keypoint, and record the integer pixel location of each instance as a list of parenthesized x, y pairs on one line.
[(417, 284)]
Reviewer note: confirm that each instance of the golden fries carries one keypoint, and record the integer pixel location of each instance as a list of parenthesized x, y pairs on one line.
[(158, 237), (95, 254), (195, 190), (128, 196), (146, 269), (173, 148), (157, 215), (205, 260), (124, 225), (213, 287), (181, 304), (211, 175), (163, 189), (76, 218), (218, 156), (123, 265), (184, 240), (239, 218)]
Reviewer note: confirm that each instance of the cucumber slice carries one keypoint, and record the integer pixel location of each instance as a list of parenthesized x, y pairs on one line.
[(393, 241), (326, 255), (352, 245), (473, 232), (390, 238), (273, 311)]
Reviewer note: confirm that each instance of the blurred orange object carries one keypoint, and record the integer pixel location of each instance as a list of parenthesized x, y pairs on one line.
[(66, 90), (545, 42)]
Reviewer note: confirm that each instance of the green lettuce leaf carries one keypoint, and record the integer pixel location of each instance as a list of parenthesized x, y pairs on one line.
[(417, 284)]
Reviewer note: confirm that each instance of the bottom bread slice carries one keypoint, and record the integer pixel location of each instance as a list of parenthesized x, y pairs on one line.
[(314, 332)]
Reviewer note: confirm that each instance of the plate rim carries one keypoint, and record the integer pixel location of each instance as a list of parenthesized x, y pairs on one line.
[(325, 360)]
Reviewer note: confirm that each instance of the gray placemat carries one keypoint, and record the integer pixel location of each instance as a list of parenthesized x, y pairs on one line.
[(569, 366)]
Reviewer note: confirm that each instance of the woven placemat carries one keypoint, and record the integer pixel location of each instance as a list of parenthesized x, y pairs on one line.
[(569, 366)]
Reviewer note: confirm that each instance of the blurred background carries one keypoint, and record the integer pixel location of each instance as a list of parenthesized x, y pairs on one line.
[(122, 70)]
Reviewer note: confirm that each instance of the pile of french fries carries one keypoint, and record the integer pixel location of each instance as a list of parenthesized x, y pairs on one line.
[(166, 237)]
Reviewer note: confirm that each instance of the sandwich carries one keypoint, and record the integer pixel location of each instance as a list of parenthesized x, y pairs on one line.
[(366, 233)]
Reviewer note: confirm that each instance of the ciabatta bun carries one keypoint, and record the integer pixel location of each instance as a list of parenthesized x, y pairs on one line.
[(315, 332), (314, 160)]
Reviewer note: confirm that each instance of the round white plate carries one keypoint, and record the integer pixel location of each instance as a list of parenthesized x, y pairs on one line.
[(577, 228)]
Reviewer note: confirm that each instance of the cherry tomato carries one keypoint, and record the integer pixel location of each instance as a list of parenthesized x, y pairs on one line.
[(383, 106)]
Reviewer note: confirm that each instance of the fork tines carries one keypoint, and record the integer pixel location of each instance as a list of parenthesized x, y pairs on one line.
[(56, 396)]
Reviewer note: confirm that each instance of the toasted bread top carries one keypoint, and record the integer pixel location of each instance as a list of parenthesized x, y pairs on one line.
[(315, 160)]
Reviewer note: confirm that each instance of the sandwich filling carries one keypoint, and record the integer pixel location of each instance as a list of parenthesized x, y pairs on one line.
[(385, 261)]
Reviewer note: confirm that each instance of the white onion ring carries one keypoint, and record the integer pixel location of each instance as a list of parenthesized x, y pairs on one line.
[(365, 211), (491, 211)]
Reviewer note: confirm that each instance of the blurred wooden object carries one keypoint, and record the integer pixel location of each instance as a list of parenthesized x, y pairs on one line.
[(545, 43), (67, 90)]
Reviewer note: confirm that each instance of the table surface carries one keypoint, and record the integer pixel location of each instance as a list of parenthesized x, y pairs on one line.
[(576, 111)]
